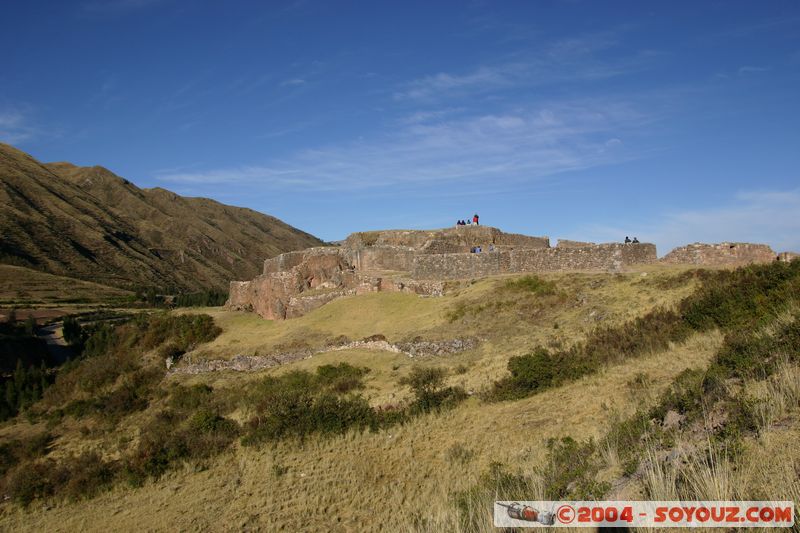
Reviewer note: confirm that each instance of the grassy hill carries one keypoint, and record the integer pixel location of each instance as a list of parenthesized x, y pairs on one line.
[(24, 287), (90, 224), (693, 383)]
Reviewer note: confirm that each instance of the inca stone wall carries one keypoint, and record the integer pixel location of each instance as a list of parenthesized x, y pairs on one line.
[(382, 257), (419, 262), (473, 265), (517, 240), (289, 260), (612, 256), (566, 243), (463, 237), (722, 254), (461, 266)]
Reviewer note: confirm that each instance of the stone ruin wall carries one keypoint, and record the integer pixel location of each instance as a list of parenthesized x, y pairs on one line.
[(722, 254), (566, 243), (420, 262), (449, 240), (461, 266), (381, 257), (596, 257), (284, 262), (611, 256), (517, 240)]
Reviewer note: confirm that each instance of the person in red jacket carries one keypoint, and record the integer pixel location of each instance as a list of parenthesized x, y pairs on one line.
[(475, 219)]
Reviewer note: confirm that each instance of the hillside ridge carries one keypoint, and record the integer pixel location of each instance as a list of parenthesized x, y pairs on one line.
[(89, 223)]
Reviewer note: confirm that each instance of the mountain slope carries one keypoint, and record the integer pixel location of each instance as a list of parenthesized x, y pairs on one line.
[(88, 223)]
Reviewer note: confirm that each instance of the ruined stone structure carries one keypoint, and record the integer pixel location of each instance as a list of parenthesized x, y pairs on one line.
[(421, 262), (722, 254), (414, 261), (566, 243)]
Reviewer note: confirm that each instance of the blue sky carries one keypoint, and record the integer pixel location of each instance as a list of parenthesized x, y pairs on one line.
[(672, 121)]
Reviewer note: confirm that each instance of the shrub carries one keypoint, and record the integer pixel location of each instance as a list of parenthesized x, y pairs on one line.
[(72, 478), (191, 398), (424, 381), (30, 481), (162, 446), (341, 378), (496, 483), (626, 437), (531, 283), (208, 298), (459, 454), (172, 351), (743, 297), (207, 434), (186, 331), (100, 341), (570, 471), (458, 312), (427, 384), (72, 331), (685, 395), (529, 373), (86, 476), (15, 451), (25, 387), (299, 403)]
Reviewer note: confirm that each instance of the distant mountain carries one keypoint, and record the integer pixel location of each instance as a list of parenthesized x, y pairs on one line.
[(88, 223)]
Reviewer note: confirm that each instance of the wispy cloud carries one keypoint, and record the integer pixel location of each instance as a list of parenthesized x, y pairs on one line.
[(752, 216), (293, 82), (496, 149), (16, 126), (748, 69), (574, 59)]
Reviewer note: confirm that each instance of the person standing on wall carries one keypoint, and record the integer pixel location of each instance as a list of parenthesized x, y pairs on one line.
[(475, 219)]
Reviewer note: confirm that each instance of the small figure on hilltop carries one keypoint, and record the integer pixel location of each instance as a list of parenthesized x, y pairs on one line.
[(475, 219), (627, 239), (636, 240)]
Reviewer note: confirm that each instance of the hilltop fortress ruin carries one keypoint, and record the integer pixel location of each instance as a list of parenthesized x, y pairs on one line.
[(422, 262)]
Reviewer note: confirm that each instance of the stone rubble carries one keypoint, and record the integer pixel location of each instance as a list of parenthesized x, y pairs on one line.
[(253, 363)]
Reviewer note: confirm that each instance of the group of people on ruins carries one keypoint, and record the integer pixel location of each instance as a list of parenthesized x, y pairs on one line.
[(469, 222), (629, 241)]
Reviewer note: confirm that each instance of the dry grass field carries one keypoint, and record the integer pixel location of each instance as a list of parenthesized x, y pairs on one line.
[(405, 477), (346, 480)]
